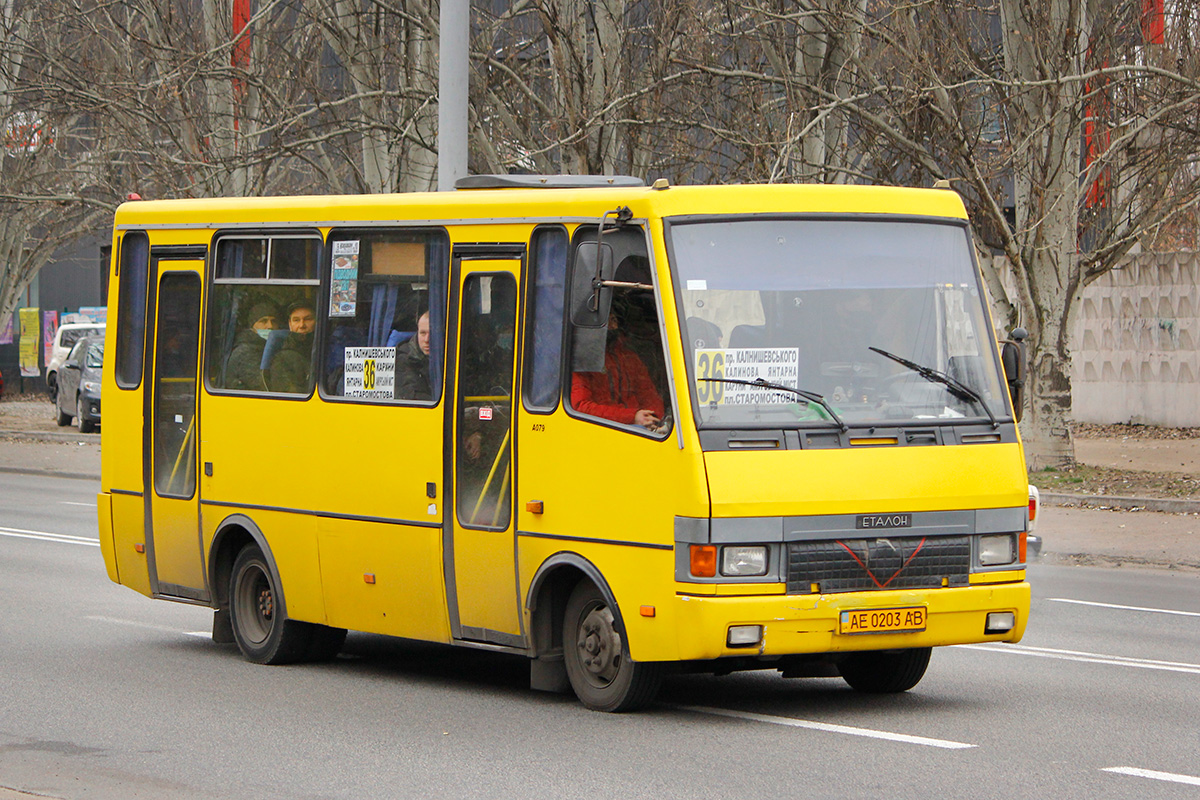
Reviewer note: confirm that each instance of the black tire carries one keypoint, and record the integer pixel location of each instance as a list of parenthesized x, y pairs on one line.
[(598, 665), (85, 424), (262, 633), (63, 419), (52, 387), (885, 672)]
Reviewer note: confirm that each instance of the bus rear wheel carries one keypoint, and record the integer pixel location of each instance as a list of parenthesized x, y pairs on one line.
[(885, 672), (602, 675), (260, 629)]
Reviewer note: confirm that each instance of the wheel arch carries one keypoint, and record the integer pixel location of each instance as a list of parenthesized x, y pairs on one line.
[(234, 533), (546, 600)]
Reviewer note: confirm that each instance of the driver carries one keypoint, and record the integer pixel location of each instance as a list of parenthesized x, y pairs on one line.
[(624, 391)]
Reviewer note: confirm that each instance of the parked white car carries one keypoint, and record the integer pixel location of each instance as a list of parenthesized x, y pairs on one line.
[(64, 340)]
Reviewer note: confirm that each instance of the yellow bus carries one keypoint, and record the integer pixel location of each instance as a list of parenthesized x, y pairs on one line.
[(618, 429)]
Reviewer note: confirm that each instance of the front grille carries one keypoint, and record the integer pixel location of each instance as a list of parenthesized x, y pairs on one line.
[(855, 565)]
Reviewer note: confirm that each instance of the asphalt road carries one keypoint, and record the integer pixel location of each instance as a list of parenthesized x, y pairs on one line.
[(106, 694)]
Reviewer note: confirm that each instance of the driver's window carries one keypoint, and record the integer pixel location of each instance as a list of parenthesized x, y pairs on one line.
[(631, 388)]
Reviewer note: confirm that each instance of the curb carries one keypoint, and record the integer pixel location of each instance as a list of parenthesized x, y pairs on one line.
[(52, 436), (1103, 501), (52, 473)]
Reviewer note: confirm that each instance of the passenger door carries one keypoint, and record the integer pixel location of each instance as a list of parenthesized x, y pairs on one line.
[(170, 432), (480, 552)]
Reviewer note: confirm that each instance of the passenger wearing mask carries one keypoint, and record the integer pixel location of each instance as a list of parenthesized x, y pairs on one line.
[(243, 370), (292, 365)]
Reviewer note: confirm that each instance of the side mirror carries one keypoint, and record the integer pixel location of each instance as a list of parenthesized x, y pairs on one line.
[(1012, 358), (590, 302), (71, 365)]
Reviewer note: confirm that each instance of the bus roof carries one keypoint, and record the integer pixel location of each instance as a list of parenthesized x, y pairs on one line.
[(519, 204)]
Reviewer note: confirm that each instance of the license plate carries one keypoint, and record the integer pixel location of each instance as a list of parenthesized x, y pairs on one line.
[(883, 620)]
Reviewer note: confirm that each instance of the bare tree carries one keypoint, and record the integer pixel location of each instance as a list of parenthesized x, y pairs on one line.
[(999, 96), (582, 86), (46, 195)]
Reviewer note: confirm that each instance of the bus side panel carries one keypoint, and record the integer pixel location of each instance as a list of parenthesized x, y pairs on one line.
[(635, 577), (104, 520), (377, 578), (121, 461), (616, 486), (327, 461), (292, 539), (129, 532)]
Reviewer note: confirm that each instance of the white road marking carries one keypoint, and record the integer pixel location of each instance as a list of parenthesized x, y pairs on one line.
[(1153, 775), (134, 624), (61, 538), (1087, 658), (148, 626), (70, 503), (828, 728), (1124, 608)]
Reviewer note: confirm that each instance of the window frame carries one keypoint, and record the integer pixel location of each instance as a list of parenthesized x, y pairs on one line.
[(129, 358), (569, 341), (325, 327), (459, 399), (529, 322), (212, 281), (154, 388)]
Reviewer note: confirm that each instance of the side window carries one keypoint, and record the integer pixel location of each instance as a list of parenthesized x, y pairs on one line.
[(485, 380), (385, 337), (175, 349), (544, 319), (131, 308), (263, 314), (630, 387)]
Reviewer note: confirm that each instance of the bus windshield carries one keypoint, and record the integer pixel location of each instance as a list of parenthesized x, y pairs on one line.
[(811, 322)]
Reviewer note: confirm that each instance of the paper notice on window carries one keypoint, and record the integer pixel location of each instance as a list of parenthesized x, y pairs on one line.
[(370, 372), (343, 295), (717, 369)]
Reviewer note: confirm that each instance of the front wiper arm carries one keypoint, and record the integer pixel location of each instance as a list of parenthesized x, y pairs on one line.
[(956, 388), (811, 397)]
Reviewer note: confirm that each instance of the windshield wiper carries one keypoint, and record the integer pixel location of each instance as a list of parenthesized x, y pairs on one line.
[(956, 388), (811, 397)]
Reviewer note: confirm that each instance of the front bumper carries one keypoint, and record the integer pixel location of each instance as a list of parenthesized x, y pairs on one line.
[(91, 408), (795, 624)]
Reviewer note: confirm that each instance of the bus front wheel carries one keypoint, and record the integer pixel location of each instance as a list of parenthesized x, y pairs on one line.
[(259, 628), (602, 675), (885, 672)]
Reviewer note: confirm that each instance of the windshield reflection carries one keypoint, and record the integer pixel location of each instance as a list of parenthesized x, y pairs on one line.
[(825, 307)]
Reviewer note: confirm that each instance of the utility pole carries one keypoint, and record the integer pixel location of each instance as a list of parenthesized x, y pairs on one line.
[(453, 69)]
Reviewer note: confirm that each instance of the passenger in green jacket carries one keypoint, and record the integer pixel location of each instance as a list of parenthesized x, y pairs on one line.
[(243, 370)]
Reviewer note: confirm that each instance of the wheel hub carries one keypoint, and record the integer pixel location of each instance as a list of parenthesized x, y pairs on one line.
[(599, 644), (266, 603)]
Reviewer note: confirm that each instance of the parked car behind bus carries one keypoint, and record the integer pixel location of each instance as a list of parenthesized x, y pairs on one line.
[(64, 340), (78, 393)]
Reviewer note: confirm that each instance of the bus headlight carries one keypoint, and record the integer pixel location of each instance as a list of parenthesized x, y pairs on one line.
[(997, 549), (742, 561)]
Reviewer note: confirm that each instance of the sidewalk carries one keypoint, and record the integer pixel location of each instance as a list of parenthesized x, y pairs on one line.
[(1075, 529), (32, 443)]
